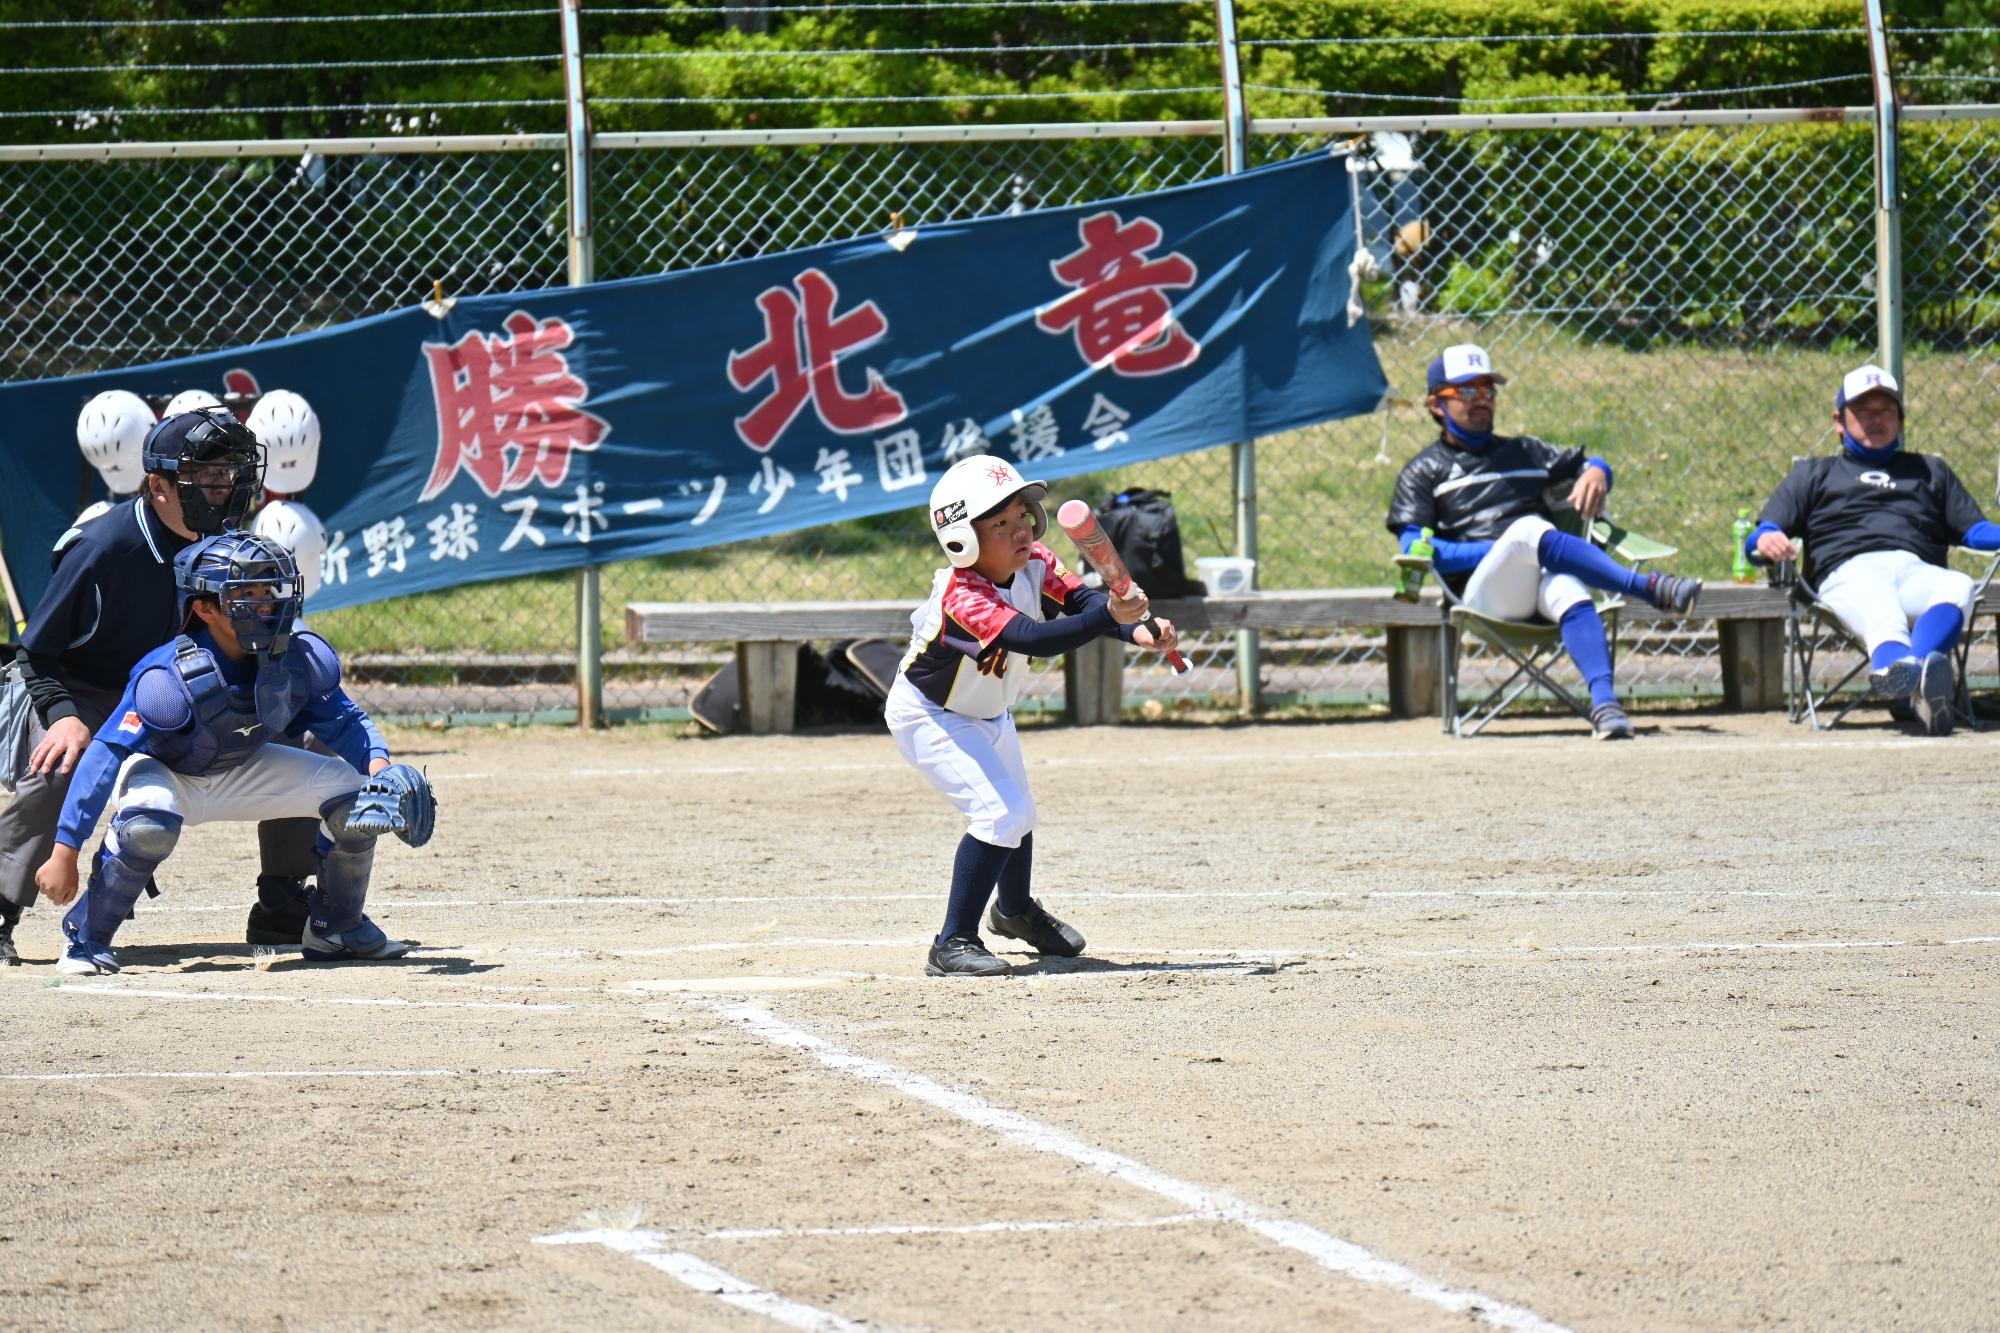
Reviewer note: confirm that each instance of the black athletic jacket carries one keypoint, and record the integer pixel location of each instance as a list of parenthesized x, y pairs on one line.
[(1468, 496), (1841, 506)]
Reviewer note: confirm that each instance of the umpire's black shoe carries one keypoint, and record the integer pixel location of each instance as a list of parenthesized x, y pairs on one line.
[(278, 917), (964, 956), (9, 955), (1037, 929)]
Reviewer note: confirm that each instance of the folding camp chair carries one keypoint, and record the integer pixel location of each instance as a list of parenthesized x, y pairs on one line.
[(1809, 621), (1533, 646)]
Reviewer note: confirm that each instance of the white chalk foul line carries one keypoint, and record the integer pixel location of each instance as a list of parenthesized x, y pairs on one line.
[(198, 1074), (699, 1275), (379, 1001), (1330, 1252), (1885, 898)]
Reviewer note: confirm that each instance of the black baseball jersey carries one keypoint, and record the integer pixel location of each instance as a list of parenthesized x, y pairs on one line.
[(1466, 495), (1841, 506)]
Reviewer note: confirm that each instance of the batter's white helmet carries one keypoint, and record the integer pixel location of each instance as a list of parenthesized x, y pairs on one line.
[(111, 431), (188, 400), (288, 428), (972, 489), (297, 529)]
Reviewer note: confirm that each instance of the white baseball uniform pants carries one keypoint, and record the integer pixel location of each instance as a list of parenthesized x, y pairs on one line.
[(1510, 582), (277, 782), (975, 762), (1880, 594)]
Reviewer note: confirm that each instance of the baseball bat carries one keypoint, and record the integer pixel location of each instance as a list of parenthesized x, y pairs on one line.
[(1080, 522)]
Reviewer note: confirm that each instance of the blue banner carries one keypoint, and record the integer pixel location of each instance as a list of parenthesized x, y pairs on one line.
[(545, 430)]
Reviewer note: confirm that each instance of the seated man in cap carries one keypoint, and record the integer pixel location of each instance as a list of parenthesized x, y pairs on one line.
[(1482, 496), (1877, 523)]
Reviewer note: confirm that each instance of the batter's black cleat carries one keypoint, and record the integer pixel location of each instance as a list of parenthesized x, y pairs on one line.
[(278, 917), (1673, 594), (964, 956), (9, 955), (1037, 929)]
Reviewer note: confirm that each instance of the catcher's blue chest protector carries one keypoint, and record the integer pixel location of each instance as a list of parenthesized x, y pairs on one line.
[(229, 723)]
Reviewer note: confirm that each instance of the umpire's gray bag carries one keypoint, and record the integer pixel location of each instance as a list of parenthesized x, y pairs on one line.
[(14, 717)]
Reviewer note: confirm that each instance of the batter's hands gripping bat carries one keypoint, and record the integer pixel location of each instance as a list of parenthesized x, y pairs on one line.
[(1080, 522)]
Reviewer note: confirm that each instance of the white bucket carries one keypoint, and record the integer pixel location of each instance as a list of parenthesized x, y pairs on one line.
[(1225, 575)]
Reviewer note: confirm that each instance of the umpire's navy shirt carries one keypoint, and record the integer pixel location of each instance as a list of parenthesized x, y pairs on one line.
[(112, 599), (1841, 506)]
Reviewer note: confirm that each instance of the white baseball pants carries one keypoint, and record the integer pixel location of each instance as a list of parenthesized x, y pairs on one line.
[(975, 762), (1510, 582), (1880, 594), (277, 782)]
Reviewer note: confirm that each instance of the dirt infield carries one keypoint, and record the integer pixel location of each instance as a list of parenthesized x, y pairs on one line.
[(1377, 1031)]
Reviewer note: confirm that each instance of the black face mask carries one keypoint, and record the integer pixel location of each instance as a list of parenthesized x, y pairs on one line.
[(226, 441)]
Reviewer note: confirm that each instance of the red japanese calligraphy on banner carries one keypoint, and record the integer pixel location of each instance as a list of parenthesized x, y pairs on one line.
[(509, 408), (800, 354), (1119, 311)]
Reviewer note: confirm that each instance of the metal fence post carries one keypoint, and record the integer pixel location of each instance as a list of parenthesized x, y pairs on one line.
[(582, 269), (1888, 199), (1242, 454)]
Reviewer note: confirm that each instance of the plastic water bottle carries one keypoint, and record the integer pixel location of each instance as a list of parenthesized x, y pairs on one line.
[(1740, 567), (1412, 579)]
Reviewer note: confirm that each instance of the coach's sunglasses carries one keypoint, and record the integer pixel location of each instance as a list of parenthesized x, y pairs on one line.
[(1470, 393)]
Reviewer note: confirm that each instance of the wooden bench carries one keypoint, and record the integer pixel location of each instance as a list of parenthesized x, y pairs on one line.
[(1749, 624)]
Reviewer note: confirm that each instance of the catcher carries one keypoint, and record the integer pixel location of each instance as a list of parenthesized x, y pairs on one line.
[(190, 743)]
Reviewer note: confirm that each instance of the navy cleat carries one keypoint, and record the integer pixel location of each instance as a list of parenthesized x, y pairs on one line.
[(1936, 688), (1669, 593), (1898, 680), (362, 940), (964, 956), (87, 958), (1609, 723), (1038, 929)]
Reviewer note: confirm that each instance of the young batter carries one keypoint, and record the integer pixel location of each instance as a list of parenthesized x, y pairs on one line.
[(1006, 596)]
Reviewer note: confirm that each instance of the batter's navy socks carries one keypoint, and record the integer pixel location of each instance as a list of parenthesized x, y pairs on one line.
[(963, 956), (363, 940), (87, 958), (973, 873), (1015, 877), (1037, 928), (1935, 690), (1672, 594), (1609, 723), (278, 917)]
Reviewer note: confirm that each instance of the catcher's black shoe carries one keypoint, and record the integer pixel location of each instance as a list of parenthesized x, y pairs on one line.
[(278, 917), (9, 955), (1037, 929), (964, 956)]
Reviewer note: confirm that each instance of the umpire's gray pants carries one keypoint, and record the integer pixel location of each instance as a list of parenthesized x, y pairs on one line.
[(28, 823)]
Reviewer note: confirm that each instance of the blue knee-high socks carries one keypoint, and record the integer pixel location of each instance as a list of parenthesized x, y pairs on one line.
[(973, 872), (1560, 553), (1583, 634), (1936, 630)]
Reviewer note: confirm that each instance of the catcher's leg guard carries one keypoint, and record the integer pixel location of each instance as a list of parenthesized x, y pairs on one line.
[(346, 858), (139, 841)]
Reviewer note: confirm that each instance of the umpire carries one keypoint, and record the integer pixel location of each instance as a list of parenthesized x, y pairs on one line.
[(110, 602)]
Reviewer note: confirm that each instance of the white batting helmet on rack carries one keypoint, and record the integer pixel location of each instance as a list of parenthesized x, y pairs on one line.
[(972, 489), (111, 431), (297, 529), (285, 424), (190, 400)]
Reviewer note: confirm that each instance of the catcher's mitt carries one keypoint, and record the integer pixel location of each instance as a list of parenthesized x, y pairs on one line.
[(397, 800)]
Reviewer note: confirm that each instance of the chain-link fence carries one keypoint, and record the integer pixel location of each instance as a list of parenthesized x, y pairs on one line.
[(1677, 297)]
